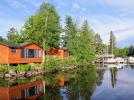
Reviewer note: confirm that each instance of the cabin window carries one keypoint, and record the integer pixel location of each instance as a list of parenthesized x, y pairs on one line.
[(39, 54), (14, 50), (22, 53), (32, 91), (25, 93), (39, 88), (30, 53), (28, 92), (36, 53)]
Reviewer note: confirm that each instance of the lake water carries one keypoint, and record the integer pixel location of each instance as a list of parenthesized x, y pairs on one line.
[(88, 83)]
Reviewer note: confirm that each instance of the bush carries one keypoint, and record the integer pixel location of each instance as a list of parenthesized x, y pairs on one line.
[(3, 68), (69, 61), (51, 63), (37, 66), (21, 68)]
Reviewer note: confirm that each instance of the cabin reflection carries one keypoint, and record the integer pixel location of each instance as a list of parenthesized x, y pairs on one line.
[(28, 91)]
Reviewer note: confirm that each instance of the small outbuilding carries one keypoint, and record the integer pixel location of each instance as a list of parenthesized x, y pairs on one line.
[(60, 53)]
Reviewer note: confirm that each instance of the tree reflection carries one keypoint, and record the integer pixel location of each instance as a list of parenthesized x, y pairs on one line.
[(51, 94), (80, 85), (113, 72), (132, 66), (52, 90), (99, 76), (83, 85)]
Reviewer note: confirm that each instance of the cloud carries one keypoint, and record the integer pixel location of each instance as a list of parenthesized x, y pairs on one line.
[(76, 6), (124, 14), (36, 4), (123, 28), (121, 3), (7, 24), (83, 9), (95, 21), (16, 4)]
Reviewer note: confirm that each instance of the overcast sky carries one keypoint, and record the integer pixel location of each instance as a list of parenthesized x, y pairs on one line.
[(102, 15)]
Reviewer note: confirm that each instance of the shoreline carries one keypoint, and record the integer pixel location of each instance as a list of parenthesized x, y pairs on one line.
[(13, 74)]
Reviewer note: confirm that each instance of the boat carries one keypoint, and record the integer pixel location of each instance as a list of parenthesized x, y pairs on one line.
[(131, 60), (118, 66)]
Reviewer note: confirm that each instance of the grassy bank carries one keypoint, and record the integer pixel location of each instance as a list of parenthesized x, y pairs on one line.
[(51, 64)]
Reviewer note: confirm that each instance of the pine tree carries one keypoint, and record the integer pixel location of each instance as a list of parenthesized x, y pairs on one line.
[(99, 46), (85, 50), (13, 35), (69, 39), (112, 45)]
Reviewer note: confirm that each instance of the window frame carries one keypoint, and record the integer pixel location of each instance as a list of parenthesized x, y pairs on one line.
[(14, 50)]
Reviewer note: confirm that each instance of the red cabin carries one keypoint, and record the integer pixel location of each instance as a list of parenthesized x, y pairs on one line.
[(20, 53), (60, 53)]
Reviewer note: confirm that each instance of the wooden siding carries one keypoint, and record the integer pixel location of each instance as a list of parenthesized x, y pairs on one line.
[(3, 54)]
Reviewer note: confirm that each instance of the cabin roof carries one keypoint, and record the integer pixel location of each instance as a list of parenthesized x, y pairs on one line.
[(17, 45)]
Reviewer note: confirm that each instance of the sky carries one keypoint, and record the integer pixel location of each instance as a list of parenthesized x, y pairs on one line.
[(102, 15)]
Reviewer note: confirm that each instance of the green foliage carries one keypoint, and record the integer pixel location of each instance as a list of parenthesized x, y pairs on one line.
[(112, 45), (20, 68), (2, 39), (131, 51), (50, 79), (69, 61), (3, 68), (85, 52), (70, 34), (99, 46), (121, 52), (14, 36), (50, 63), (44, 25), (79, 43)]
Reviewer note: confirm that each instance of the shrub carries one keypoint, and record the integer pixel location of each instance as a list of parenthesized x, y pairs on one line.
[(51, 63), (38, 66), (69, 61), (3, 68), (23, 68)]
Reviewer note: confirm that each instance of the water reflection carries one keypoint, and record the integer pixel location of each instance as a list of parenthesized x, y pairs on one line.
[(113, 72), (99, 76), (84, 83), (25, 91), (81, 85)]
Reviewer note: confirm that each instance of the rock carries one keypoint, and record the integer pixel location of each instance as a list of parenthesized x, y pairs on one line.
[(12, 72), (7, 75), (29, 73)]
